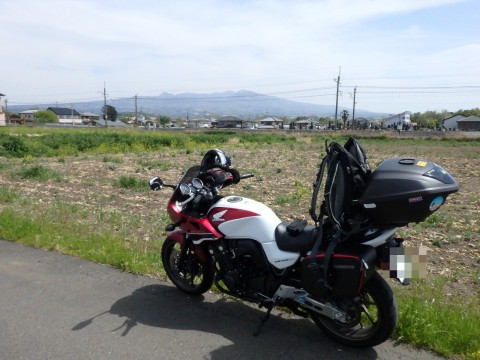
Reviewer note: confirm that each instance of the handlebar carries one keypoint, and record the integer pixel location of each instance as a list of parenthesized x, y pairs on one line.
[(246, 176), (197, 194)]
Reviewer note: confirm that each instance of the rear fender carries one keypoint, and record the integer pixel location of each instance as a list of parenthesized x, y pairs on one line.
[(179, 236)]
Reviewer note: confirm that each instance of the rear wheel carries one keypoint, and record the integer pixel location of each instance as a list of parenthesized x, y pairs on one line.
[(193, 276), (373, 316)]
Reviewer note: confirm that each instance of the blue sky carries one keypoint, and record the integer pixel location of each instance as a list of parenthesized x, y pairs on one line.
[(414, 55)]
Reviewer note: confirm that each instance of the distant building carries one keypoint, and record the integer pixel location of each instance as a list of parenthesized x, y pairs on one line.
[(67, 115), (364, 124), (2, 114), (199, 123), (307, 124), (28, 116), (270, 122), (228, 122), (88, 117), (398, 122), (451, 123), (470, 123)]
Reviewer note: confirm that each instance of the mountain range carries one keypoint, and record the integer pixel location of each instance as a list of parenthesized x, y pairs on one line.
[(245, 104)]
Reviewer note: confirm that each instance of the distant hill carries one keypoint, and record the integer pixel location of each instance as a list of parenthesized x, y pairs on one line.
[(243, 103)]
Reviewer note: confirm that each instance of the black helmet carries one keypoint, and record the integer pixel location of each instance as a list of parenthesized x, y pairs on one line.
[(214, 158)]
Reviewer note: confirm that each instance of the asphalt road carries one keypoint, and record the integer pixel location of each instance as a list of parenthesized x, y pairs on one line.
[(54, 306)]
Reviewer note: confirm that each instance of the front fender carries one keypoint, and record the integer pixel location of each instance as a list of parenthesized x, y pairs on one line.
[(179, 236)]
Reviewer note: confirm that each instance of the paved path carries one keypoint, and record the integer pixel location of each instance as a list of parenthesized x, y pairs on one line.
[(54, 306)]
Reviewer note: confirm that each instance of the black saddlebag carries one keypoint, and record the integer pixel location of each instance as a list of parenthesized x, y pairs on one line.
[(346, 275)]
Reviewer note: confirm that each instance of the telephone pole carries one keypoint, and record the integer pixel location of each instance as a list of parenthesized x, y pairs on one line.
[(105, 105), (136, 111), (7, 118), (338, 87), (353, 115)]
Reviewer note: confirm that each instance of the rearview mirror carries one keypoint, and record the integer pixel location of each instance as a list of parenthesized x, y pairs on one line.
[(155, 183)]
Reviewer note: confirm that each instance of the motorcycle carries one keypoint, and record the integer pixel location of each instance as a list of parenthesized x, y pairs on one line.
[(319, 271)]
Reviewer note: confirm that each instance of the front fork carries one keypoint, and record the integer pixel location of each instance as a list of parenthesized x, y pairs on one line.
[(186, 243)]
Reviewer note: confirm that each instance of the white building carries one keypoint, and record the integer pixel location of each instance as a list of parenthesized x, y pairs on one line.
[(451, 123), (398, 122), (2, 114)]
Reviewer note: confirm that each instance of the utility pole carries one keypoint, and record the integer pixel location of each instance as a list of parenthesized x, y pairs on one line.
[(136, 111), (353, 115), (338, 87), (105, 105), (6, 111)]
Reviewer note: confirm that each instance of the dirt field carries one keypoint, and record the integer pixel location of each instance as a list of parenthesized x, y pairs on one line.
[(284, 177)]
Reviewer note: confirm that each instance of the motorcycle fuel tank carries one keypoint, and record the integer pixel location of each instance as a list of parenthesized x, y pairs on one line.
[(241, 218)]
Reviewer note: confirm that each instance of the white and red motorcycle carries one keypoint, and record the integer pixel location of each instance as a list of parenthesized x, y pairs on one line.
[(320, 272)]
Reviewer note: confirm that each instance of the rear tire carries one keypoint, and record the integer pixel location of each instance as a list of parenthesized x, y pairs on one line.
[(374, 314), (194, 277)]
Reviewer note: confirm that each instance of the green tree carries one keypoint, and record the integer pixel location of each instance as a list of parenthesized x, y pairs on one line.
[(110, 113), (163, 120), (46, 116)]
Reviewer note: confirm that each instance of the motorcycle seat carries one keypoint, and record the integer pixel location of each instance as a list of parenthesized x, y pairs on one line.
[(301, 242)]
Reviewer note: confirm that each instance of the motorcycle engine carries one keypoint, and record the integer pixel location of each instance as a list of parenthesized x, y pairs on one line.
[(242, 267)]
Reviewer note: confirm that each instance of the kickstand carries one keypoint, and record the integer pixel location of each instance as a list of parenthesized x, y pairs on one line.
[(263, 320)]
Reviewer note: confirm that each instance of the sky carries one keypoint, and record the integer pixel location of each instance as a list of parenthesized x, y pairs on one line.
[(400, 55)]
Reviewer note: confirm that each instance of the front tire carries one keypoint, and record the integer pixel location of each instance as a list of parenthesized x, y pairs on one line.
[(194, 277), (373, 313)]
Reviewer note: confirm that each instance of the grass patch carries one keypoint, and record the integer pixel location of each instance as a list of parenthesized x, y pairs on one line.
[(8, 196), (65, 228), (301, 192), (156, 164), (131, 183), (445, 325), (39, 173)]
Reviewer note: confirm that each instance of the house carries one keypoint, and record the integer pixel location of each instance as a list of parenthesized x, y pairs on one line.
[(140, 120), (88, 117), (2, 114), (470, 123), (28, 116), (270, 122), (306, 124), (228, 122), (398, 122), (363, 124), (200, 123), (67, 115), (451, 123)]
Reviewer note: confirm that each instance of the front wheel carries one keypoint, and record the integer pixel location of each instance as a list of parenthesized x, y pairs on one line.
[(192, 276), (373, 316)]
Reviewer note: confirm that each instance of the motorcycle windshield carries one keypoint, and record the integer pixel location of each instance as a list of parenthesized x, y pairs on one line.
[(186, 178), (189, 175)]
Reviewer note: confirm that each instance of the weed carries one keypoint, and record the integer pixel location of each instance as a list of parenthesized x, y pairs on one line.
[(131, 183), (156, 164), (7, 195), (437, 243), (40, 173), (112, 159)]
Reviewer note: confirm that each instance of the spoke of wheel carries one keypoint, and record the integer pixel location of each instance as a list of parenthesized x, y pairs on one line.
[(367, 314)]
